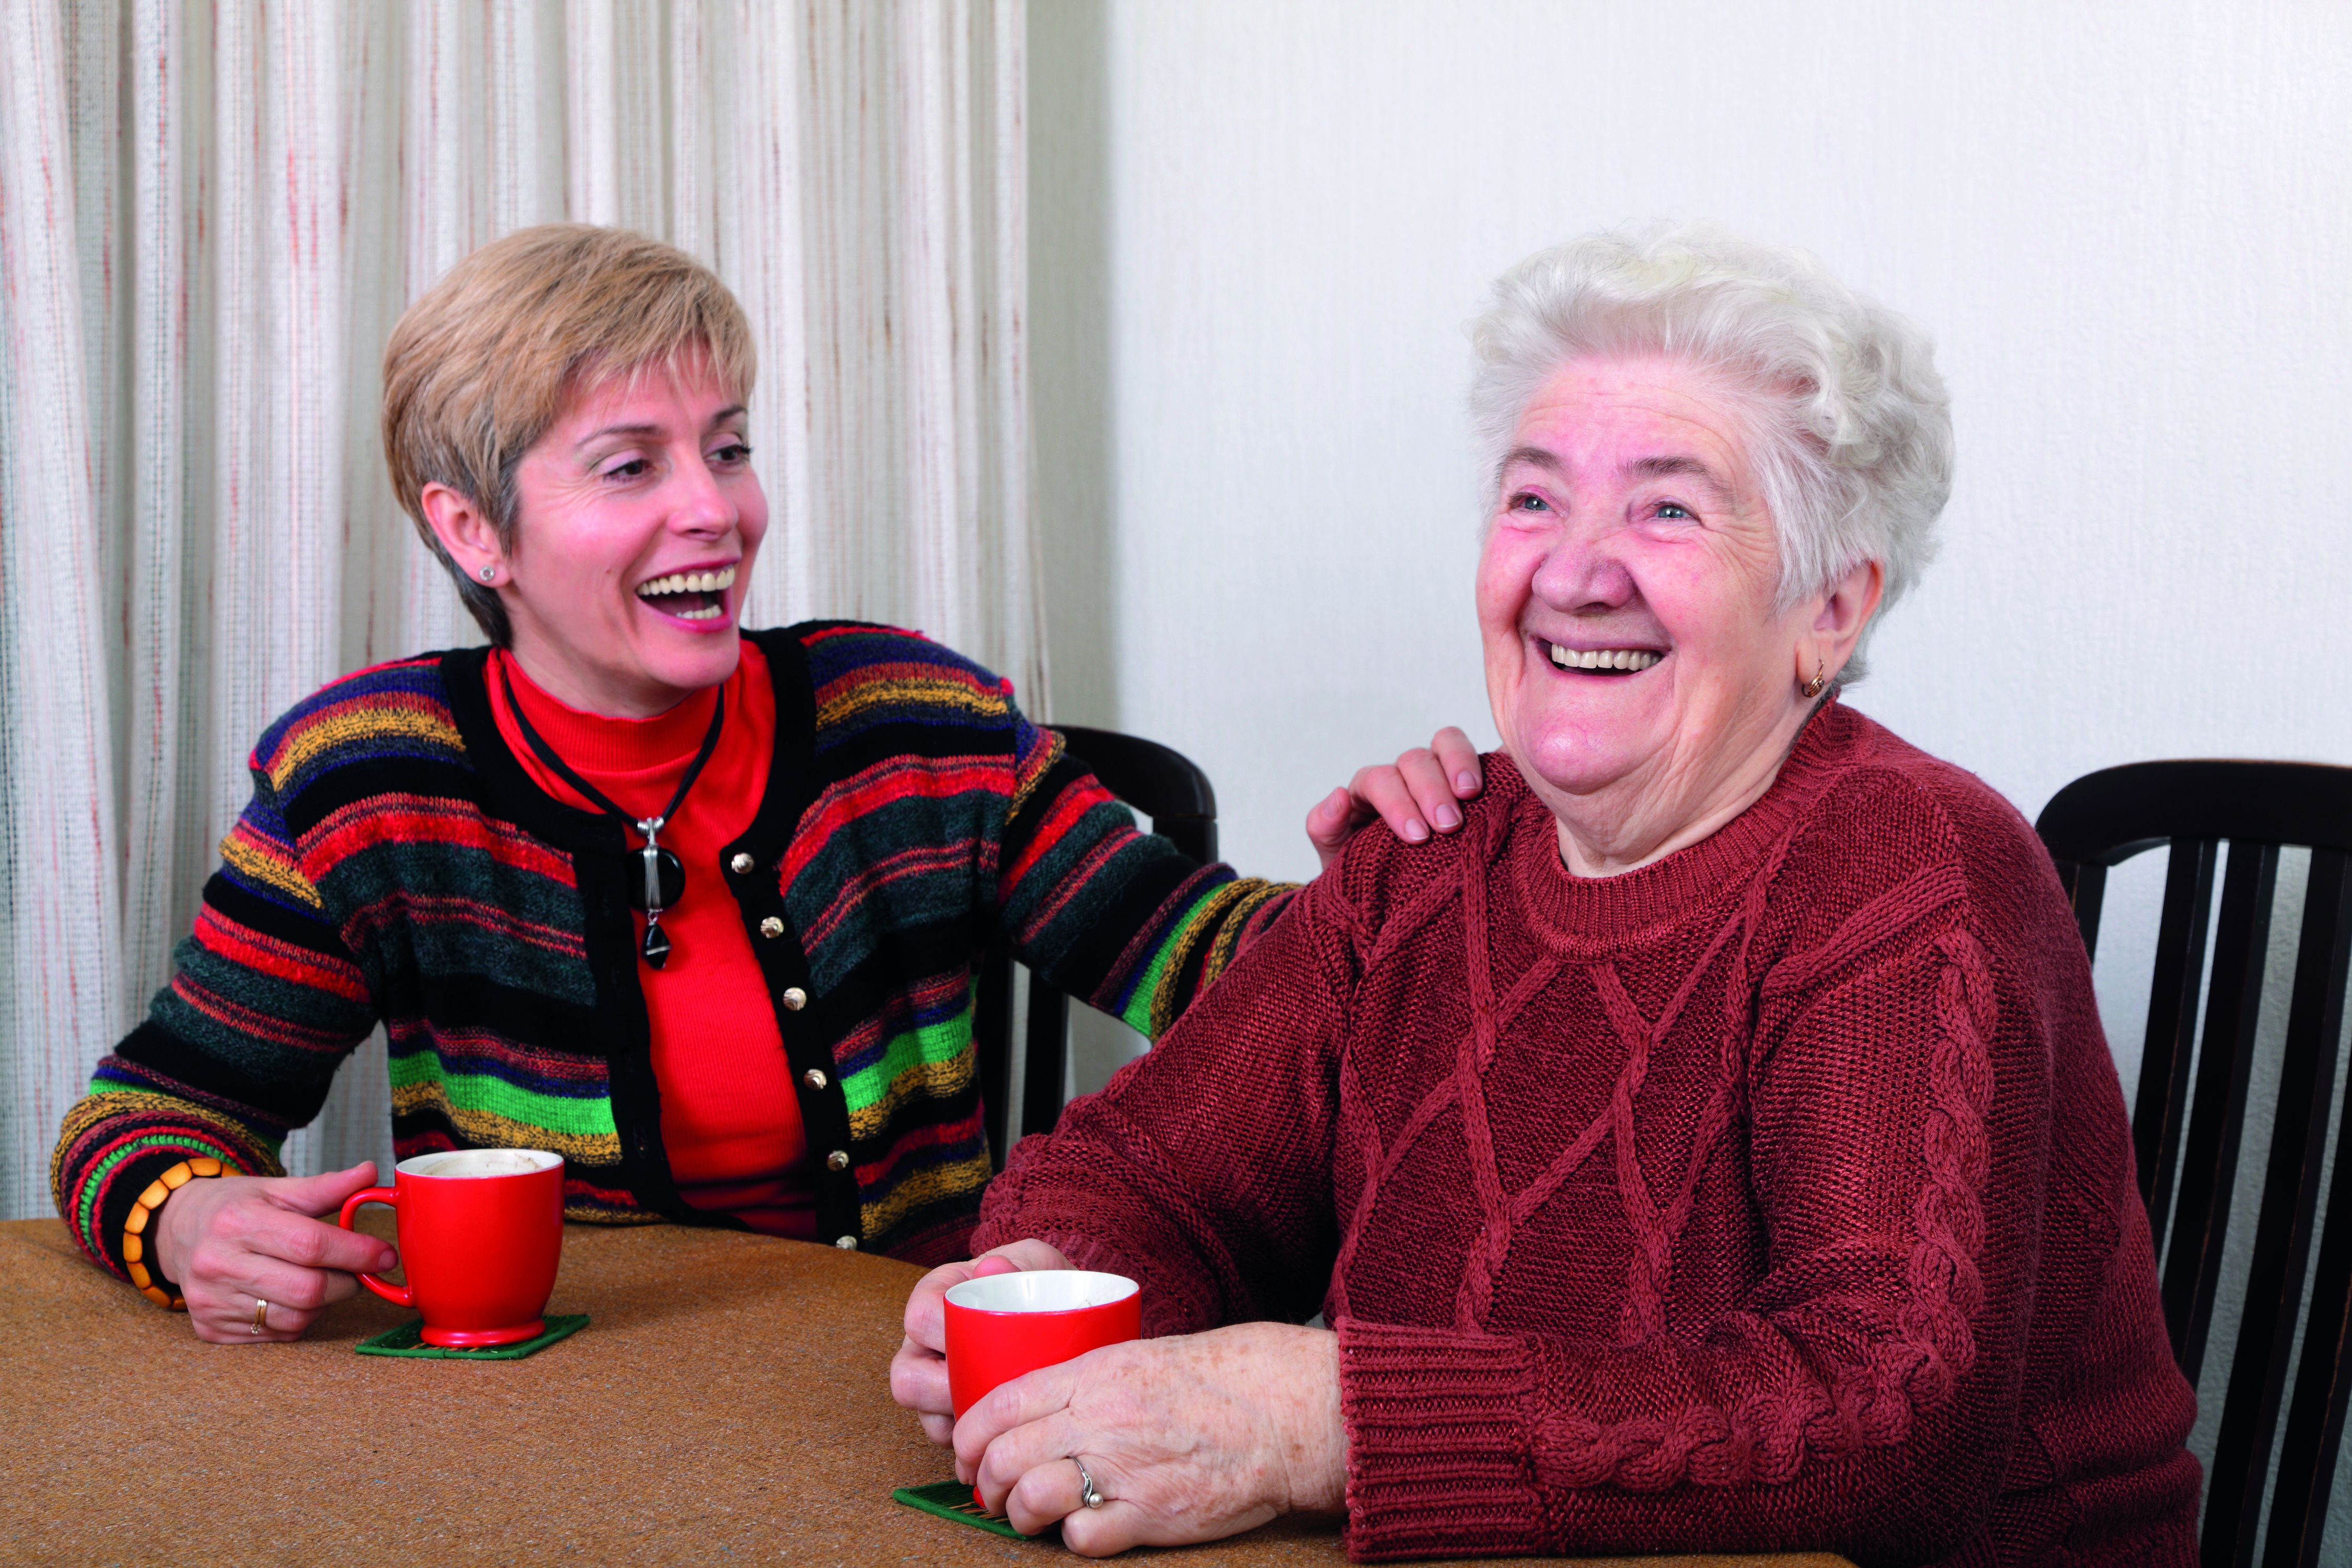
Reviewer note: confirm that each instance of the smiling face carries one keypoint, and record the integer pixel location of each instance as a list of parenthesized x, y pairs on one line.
[(1639, 675), (637, 516)]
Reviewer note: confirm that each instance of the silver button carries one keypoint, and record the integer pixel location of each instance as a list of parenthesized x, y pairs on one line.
[(794, 999), (741, 865), (814, 1078), (837, 1161), (771, 926), (846, 1243)]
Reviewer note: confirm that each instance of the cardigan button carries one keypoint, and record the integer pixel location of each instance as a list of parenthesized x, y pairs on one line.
[(837, 1161), (814, 1078), (771, 926), (794, 998), (741, 865), (846, 1243)]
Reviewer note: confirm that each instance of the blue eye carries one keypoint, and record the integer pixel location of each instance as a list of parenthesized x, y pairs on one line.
[(1674, 509), (1526, 502)]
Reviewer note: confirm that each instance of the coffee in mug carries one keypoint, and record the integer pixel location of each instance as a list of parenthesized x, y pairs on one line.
[(480, 1232)]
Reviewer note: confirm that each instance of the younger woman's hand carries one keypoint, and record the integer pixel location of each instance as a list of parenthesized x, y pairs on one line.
[(231, 1242), (1412, 794)]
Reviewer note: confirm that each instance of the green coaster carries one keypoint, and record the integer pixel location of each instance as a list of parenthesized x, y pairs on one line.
[(403, 1341), (952, 1499)]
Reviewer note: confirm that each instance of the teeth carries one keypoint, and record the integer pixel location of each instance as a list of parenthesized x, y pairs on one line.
[(1604, 659), (688, 583)]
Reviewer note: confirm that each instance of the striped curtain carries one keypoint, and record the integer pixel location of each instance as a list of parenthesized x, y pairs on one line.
[(212, 212)]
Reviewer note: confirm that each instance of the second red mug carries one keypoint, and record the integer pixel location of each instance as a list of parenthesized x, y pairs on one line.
[(1003, 1325)]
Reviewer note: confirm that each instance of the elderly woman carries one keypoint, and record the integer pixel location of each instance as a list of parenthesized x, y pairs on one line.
[(694, 910), (1711, 1147)]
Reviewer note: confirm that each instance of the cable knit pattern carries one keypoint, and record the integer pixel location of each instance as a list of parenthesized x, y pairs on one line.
[(1711, 1206)]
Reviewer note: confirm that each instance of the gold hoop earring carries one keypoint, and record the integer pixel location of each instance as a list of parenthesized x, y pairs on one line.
[(1820, 680)]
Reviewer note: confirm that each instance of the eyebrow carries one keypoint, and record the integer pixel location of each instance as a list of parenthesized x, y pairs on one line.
[(1661, 467), (1679, 467), (732, 411)]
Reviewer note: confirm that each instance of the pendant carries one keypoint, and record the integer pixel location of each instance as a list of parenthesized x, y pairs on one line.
[(656, 944), (670, 874)]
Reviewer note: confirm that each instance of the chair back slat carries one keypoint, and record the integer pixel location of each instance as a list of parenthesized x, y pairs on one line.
[(992, 1029), (2161, 1106), (2315, 1421), (2274, 1279), (2087, 889), (2209, 1155), (1048, 1070)]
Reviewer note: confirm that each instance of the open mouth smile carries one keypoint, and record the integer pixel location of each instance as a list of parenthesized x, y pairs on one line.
[(690, 596), (1604, 660)]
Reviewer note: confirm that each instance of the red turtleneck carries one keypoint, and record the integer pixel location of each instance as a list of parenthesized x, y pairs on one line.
[(729, 1117)]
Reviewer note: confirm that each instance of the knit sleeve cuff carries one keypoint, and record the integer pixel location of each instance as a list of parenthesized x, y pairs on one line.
[(1437, 1423), (114, 1147)]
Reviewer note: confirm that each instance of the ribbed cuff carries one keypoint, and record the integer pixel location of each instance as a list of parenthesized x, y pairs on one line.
[(1438, 1425)]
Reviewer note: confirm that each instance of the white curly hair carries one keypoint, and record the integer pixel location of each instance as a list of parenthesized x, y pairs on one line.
[(1850, 426)]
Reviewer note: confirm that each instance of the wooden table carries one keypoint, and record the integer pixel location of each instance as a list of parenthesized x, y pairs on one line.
[(728, 1403)]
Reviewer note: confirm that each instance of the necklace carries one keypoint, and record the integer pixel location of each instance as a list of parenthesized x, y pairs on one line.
[(663, 881)]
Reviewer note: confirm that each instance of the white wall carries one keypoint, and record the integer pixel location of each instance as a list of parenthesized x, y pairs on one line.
[(1258, 230)]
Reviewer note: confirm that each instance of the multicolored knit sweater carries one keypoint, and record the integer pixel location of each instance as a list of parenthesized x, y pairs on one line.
[(1776, 1195), (397, 865)]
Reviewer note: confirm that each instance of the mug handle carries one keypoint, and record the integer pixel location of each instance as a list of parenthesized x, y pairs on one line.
[(398, 1295)]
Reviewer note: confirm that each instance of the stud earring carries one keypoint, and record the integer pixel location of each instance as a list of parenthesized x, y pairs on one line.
[(1813, 688), (489, 573)]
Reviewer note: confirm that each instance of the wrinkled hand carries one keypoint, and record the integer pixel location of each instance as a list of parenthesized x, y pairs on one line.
[(1191, 1437), (919, 1372), (1412, 794), (230, 1241)]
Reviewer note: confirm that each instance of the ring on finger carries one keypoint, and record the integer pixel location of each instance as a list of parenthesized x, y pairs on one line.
[(260, 1314), (1087, 1492)]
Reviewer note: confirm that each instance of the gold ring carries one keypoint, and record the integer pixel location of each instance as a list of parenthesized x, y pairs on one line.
[(260, 1312)]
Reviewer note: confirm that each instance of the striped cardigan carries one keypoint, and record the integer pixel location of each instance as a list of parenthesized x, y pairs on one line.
[(397, 865)]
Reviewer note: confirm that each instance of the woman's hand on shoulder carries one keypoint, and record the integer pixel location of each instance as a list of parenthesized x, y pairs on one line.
[(1191, 1437), (1412, 794), (231, 1241), (919, 1372)]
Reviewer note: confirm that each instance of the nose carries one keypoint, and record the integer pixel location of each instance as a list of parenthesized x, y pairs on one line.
[(701, 505), (1583, 573)]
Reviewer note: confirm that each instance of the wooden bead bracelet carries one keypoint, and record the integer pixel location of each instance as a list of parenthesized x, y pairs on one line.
[(143, 1208)]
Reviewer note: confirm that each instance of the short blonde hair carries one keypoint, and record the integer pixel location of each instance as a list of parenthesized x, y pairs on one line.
[(479, 368)]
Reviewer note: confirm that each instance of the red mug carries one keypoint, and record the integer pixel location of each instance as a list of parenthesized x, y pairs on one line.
[(480, 1232), (1003, 1325)]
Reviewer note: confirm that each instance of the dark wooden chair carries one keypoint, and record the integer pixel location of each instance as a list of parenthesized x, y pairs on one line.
[(2186, 1135), (1174, 794)]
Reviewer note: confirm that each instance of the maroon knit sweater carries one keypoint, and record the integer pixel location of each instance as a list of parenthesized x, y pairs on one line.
[(1776, 1195)]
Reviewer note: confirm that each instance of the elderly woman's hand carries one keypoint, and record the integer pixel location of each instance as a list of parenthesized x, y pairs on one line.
[(236, 1241), (1187, 1438), (1412, 794), (919, 1372)]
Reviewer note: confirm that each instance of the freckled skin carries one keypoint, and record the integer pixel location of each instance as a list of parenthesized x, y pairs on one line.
[(630, 483), (1629, 517)]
